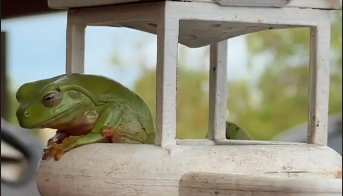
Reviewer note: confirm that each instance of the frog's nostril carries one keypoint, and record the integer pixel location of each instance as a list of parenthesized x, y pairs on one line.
[(26, 114)]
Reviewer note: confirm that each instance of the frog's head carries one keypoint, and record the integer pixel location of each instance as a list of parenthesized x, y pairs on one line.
[(49, 103)]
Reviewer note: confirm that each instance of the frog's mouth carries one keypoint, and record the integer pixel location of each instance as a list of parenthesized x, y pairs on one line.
[(45, 123)]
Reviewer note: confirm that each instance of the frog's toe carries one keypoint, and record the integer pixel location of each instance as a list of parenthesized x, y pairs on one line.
[(57, 150), (111, 133), (58, 155), (107, 131), (46, 155)]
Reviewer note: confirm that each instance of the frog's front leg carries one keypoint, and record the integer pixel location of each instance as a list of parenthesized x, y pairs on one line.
[(110, 117), (56, 139)]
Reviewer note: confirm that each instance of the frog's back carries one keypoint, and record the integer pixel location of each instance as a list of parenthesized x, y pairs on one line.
[(104, 90), (101, 89)]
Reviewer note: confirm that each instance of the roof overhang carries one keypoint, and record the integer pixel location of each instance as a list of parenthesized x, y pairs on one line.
[(19, 8)]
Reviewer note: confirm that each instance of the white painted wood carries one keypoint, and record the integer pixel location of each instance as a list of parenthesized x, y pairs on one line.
[(228, 22), (210, 142), (112, 15), (64, 4), (166, 79), (205, 184), (193, 35), (319, 84), (257, 16), (218, 91), (75, 54), (321, 4), (254, 3), (148, 170)]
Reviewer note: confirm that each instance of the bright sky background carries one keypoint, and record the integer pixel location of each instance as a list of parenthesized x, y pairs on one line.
[(36, 50)]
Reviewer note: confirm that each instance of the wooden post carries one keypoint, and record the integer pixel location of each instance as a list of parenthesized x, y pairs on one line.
[(319, 85), (218, 91), (166, 80), (75, 57)]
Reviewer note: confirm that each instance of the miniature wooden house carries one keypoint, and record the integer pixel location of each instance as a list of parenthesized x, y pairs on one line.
[(180, 167)]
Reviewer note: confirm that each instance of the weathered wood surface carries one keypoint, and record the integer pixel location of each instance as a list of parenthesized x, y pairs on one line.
[(146, 170), (198, 26), (205, 184)]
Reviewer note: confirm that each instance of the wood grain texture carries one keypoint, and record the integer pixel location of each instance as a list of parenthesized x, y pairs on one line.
[(205, 184), (147, 170), (319, 84), (198, 25), (166, 79), (75, 53), (218, 91)]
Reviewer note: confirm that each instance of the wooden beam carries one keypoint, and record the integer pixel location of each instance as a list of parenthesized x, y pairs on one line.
[(205, 184)]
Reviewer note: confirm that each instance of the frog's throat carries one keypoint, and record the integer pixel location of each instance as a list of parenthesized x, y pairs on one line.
[(55, 117)]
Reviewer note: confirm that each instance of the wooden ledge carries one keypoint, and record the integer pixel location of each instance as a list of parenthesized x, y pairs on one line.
[(145, 170), (228, 184)]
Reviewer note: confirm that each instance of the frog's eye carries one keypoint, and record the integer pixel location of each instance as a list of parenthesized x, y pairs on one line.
[(51, 99)]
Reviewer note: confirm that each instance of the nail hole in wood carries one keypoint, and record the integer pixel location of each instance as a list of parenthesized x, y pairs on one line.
[(152, 24)]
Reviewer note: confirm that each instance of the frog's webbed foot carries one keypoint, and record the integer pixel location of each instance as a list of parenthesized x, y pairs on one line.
[(57, 139), (57, 150), (115, 136), (111, 134)]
